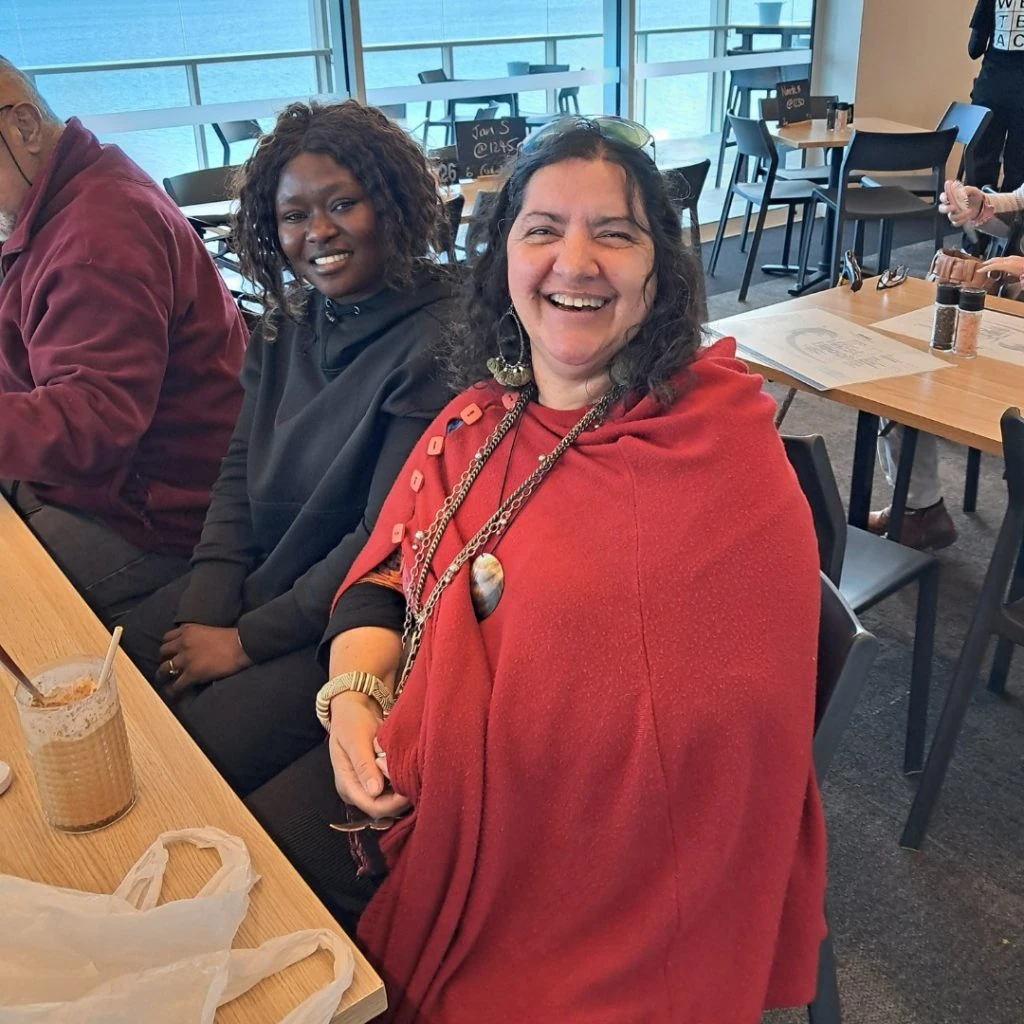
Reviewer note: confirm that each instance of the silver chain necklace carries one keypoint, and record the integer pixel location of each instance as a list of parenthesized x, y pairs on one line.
[(425, 543)]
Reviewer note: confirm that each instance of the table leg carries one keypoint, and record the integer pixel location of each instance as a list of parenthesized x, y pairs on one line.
[(908, 446), (824, 275), (863, 469)]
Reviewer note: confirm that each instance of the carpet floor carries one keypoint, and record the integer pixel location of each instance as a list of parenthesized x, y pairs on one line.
[(935, 937)]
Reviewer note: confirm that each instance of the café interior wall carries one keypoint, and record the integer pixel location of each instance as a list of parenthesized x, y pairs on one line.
[(913, 59)]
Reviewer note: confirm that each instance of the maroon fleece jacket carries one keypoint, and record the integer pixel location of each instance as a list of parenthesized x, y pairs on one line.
[(119, 349)]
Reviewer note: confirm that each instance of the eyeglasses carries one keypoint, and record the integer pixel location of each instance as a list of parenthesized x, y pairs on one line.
[(615, 129), (892, 277)]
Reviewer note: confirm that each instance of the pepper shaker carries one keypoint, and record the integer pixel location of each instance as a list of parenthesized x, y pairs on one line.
[(944, 322)]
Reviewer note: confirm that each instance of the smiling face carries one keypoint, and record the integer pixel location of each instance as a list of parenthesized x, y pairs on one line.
[(579, 274), (327, 228)]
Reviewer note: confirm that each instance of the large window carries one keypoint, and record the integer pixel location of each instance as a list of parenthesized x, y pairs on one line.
[(399, 41), (185, 49), (154, 75)]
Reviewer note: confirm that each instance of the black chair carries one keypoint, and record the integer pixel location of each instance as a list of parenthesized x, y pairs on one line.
[(742, 83), (565, 98), (235, 131), (999, 612), (394, 111), (685, 185), (447, 122), (754, 143), (845, 655), (867, 570), (488, 113), (210, 185), (453, 219), (970, 123), (883, 151)]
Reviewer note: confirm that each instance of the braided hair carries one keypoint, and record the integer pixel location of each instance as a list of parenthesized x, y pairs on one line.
[(388, 164)]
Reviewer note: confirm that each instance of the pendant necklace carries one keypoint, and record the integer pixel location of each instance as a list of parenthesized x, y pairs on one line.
[(487, 574)]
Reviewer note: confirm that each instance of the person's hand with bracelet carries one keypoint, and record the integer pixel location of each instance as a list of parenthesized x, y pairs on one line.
[(355, 717), (971, 206)]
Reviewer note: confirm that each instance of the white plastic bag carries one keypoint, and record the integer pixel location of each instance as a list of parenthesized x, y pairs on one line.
[(68, 956)]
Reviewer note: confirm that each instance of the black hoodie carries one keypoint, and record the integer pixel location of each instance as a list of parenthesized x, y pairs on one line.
[(332, 408)]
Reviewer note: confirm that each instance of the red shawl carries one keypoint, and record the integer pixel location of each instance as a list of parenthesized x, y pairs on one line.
[(615, 812)]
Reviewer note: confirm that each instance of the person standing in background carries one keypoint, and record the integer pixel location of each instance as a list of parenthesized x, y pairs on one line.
[(997, 36)]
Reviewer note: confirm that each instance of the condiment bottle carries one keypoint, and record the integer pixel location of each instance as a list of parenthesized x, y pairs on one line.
[(944, 321), (972, 304)]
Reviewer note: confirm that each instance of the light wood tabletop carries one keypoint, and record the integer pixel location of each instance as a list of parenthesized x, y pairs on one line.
[(471, 189), (814, 134), (962, 404), (43, 618), (218, 212)]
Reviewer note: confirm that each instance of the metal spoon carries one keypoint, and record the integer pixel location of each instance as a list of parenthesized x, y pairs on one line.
[(12, 666)]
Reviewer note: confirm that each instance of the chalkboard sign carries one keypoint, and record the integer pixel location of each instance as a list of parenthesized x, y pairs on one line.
[(486, 146), (794, 101), (447, 159)]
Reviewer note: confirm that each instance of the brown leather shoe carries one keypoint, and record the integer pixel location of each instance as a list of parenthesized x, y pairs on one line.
[(929, 527)]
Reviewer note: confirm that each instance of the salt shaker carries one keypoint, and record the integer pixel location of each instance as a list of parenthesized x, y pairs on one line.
[(944, 322), (842, 114), (972, 304)]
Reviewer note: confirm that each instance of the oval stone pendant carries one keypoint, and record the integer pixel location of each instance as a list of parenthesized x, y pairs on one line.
[(486, 583)]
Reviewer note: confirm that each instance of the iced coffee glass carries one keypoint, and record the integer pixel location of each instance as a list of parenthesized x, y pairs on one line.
[(78, 746)]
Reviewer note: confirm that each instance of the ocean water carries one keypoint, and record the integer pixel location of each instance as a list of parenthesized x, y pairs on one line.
[(48, 32)]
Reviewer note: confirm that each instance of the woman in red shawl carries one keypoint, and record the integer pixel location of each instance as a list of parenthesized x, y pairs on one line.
[(593, 759)]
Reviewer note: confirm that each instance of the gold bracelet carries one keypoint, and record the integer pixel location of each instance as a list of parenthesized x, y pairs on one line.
[(359, 682)]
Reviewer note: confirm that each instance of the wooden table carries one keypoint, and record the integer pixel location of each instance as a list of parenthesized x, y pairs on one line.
[(962, 404), (43, 618), (814, 135), (214, 214), (786, 32)]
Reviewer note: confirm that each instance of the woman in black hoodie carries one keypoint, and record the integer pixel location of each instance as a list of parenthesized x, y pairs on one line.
[(339, 385)]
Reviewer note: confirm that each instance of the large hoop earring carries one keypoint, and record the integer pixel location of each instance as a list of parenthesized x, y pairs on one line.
[(511, 375)]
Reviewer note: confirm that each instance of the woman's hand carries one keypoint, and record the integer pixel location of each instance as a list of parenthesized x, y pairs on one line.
[(355, 719), (1008, 265), (194, 654), (974, 202)]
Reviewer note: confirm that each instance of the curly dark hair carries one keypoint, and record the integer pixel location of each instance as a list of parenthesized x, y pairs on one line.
[(385, 161), (670, 334)]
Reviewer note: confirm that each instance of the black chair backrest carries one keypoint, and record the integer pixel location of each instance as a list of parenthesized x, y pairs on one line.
[(395, 111), (970, 122), (488, 113), (819, 107), (211, 185), (476, 233), (756, 78), (685, 184), (429, 77), (235, 131), (453, 218), (898, 151), (809, 458), (752, 138), (518, 67), (845, 655), (547, 69), (1013, 455)]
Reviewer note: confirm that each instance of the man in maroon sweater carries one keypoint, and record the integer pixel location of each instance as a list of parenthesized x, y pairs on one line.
[(119, 355)]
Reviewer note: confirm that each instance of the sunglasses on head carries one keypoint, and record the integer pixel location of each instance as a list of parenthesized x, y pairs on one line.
[(615, 129)]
